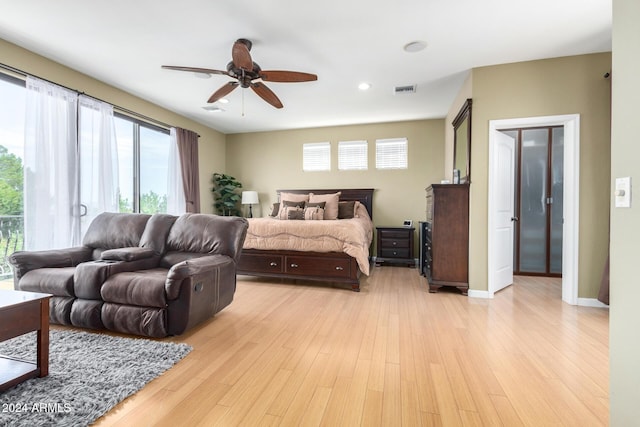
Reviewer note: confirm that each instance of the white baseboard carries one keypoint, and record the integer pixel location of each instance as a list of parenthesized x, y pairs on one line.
[(584, 302), (472, 293), (591, 302)]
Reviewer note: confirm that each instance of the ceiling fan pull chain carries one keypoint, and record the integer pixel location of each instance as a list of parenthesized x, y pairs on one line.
[(243, 103)]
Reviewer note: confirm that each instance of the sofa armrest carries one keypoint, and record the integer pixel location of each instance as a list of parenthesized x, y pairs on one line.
[(89, 276), (193, 267), (25, 261), (127, 254)]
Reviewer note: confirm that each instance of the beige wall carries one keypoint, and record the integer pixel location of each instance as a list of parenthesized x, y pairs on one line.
[(268, 161), (541, 88), (625, 222), (212, 143)]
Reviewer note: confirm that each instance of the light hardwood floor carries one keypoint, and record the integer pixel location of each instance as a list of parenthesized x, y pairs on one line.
[(306, 354)]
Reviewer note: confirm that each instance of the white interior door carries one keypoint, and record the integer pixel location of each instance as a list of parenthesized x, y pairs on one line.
[(502, 229), (571, 201)]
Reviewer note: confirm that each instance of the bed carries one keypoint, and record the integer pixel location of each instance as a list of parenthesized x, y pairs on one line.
[(326, 250)]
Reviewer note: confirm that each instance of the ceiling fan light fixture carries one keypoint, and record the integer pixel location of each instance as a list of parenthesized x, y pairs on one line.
[(415, 46), (247, 74), (364, 86)]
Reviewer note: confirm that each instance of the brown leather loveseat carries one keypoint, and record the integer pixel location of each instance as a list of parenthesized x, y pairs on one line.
[(152, 275)]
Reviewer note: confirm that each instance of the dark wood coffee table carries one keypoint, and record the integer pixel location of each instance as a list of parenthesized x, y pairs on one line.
[(20, 313)]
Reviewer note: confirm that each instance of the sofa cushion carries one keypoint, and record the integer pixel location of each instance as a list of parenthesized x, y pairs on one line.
[(173, 258), (56, 281), (156, 232), (145, 288), (111, 230), (127, 254), (208, 234)]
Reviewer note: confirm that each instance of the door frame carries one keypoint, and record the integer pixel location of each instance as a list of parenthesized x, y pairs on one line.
[(571, 198)]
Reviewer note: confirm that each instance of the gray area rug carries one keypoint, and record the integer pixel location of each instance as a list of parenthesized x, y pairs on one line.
[(89, 373)]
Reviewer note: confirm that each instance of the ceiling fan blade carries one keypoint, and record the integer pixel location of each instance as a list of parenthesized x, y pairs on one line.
[(241, 56), (223, 91), (265, 93), (195, 70), (286, 76)]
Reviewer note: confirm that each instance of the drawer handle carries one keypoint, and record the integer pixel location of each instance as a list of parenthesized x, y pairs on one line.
[(294, 265), (395, 253), (395, 243), (339, 268), (273, 264)]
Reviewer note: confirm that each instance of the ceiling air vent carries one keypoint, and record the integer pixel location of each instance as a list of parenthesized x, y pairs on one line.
[(404, 89)]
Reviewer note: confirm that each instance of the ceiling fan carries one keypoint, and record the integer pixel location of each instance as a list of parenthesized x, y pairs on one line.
[(248, 74)]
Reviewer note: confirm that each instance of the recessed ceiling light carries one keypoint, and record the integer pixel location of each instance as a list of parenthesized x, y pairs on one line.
[(364, 86), (415, 46)]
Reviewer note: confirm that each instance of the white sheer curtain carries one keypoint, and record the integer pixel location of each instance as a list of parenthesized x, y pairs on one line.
[(176, 201), (50, 167), (98, 160)]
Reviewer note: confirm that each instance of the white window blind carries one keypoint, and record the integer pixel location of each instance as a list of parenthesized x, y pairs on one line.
[(391, 153), (352, 155), (316, 156)]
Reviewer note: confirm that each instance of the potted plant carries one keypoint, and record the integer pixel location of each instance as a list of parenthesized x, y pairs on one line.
[(225, 194)]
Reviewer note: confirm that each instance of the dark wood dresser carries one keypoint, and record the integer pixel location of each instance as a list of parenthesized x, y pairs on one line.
[(395, 245), (444, 237)]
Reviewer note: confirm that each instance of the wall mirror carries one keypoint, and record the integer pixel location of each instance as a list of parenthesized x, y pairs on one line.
[(462, 143)]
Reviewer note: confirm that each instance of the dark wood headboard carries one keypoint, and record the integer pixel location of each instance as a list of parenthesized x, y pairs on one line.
[(362, 195)]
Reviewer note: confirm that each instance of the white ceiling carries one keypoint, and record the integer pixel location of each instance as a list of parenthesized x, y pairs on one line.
[(344, 42)]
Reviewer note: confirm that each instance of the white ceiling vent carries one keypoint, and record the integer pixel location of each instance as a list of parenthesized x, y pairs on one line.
[(405, 89)]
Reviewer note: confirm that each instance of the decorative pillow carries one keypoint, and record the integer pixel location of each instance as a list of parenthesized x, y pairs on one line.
[(275, 209), (331, 207), (289, 204), (292, 204), (314, 212), (346, 210), (295, 213), (284, 211), (315, 205)]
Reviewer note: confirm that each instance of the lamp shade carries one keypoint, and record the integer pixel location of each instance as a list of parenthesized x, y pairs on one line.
[(250, 197)]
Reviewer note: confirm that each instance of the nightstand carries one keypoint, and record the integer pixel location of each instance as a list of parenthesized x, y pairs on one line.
[(395, 245)]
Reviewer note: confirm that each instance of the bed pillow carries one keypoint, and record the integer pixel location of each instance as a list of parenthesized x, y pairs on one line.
[(275, 209), (346, 210), (293, 197), (331, 207)]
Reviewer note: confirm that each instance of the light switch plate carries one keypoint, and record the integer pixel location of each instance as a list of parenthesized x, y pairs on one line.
[(622, 192)]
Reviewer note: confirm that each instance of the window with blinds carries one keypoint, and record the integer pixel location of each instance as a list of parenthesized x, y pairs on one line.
[(352, 155), (316, 156), (391, 153)]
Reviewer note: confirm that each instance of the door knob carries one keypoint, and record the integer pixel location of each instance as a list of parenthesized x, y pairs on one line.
[(514, 218)]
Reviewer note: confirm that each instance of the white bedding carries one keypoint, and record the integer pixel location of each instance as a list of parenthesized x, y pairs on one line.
[(351, 236)]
